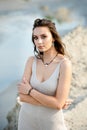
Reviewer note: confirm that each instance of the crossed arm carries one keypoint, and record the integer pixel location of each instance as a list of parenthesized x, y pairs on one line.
[(58, 101)]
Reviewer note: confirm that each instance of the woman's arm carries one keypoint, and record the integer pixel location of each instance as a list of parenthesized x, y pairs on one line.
[(26, 75), (28, 99), (62, 92), (60, 99)]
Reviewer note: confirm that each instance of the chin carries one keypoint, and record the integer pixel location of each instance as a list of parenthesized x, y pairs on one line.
[(41, 50)]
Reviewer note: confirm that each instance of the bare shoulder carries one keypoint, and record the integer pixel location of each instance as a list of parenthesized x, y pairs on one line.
[(66, 64), (30, 60), (28, 68)]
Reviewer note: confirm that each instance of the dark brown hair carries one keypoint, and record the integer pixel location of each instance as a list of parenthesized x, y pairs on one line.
[(58, 44)]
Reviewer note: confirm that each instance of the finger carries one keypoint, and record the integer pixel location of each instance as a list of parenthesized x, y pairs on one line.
[(21, 84), (66, 107), (69, 101), (24, 80)]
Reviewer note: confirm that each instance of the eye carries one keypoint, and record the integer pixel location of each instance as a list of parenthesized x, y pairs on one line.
[(35, 38), (43, 36)]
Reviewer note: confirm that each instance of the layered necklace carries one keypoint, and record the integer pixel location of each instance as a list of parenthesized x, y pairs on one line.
[(48, 63)]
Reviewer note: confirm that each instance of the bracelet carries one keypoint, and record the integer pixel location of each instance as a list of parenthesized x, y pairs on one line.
[(29, 91)]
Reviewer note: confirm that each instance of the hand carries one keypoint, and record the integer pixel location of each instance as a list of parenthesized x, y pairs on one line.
[(24, 87), (67, 103)]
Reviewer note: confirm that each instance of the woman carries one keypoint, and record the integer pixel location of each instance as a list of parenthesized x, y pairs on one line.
[(46, 81)]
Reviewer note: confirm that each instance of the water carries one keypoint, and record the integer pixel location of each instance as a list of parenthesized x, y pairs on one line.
[(16, 45)]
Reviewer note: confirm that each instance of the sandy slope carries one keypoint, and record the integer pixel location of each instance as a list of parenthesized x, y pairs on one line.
[(77, 117)]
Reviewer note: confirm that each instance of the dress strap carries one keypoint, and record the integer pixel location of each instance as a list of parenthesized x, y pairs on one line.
[(34, 65), (62, 61), (60, 64)]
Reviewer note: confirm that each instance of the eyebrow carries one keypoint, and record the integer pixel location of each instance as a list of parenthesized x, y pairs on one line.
[(40, 35)]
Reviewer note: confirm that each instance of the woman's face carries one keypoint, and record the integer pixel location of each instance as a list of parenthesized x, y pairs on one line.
[(42, 38)]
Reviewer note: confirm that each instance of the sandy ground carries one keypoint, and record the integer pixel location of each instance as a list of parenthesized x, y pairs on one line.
[(76, 117)]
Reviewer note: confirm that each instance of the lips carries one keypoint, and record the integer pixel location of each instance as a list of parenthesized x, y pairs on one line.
[(40, 47)]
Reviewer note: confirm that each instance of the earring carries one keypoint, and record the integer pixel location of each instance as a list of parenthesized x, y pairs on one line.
[(52, 43)]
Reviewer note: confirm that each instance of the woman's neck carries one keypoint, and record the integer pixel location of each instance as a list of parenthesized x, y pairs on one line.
[(48, 55)]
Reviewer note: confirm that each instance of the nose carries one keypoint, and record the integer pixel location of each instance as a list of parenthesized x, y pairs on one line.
[(39, 41)]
